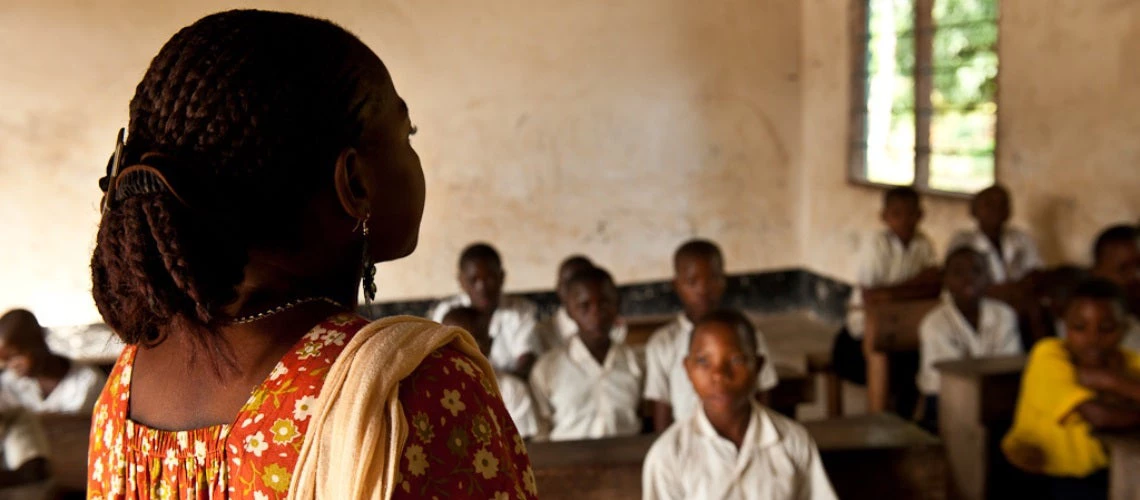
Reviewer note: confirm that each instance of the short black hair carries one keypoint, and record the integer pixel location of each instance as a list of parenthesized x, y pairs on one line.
[(959, 251), (1114, 235), (1099, 289), (745, 330), (480, 251), (698, 248), (576, 260), (591, 275), (17, 324), (996, 188), (900, 193), (461, 316)]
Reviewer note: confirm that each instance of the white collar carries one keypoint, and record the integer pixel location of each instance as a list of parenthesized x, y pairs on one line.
[(761, 431), (580, 354)]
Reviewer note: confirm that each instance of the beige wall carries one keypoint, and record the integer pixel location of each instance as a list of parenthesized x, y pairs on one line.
[(1068, 131), (611, 128), (616, 129)]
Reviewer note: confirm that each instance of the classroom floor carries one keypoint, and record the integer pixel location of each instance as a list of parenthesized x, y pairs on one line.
[(792, 338)]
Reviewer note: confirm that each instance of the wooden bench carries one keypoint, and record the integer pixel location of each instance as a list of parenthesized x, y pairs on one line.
[(905, 462), (977, 400), (891, 319)]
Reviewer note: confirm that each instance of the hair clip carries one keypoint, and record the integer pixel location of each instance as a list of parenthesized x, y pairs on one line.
[(113, 168)]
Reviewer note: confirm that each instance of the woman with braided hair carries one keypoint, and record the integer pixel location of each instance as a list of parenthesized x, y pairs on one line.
[(267, 168)]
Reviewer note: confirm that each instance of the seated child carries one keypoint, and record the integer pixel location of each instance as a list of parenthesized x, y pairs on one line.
[(515, 392), (513, 319), (1072, 387), (1009, 252), (23, 455), (1057, 293), (966, 325), (1116, 258), (37, 379), (732, 446), (559, 328), (699, 281), (895, 255), (591, 387)]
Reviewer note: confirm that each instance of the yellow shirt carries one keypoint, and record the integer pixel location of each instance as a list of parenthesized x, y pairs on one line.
[(1048, 435)]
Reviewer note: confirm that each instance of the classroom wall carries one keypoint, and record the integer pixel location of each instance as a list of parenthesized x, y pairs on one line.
[(1067, 131), (617, 129)]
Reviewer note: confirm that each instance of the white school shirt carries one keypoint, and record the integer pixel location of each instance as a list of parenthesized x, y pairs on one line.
[(944, 334), (23, 438), (578, 398), (1018, 256), (513, 328), (777, 460), (520, 406), (75, 394), (1130, 341), (559, 328), (885, 261), (666, 379)]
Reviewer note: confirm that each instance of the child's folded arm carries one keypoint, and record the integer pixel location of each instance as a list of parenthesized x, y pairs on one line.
[(1111, 381), (1102, 415)]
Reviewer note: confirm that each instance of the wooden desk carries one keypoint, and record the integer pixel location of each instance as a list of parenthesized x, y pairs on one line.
[(1124, 461), (977, 400), (890, 326), (905, 461)]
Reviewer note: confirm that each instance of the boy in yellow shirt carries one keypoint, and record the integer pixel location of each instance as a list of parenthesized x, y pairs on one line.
[(1072, 387)]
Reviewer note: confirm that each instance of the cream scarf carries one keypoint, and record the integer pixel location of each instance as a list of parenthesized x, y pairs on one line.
[(352, 448)]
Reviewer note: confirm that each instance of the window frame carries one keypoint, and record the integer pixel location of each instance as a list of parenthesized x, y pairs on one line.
[(924, 81)]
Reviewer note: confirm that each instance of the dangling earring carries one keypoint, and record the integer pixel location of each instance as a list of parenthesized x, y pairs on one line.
[(368, 266)]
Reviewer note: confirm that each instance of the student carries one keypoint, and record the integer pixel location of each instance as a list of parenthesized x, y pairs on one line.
[(515, 392), (559, 328), (513, 319), (698, 280), (1009, 252), (965, 325), (1072, 387), (1116, 258), (37, 379), (732, 446), (897, 254), (23, 456), (591, 387)]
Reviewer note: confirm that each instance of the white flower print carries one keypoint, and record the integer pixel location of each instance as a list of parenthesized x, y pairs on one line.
[(303, 408), (256, 444)]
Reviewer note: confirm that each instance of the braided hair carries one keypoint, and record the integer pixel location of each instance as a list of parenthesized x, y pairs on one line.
[(245, 112)]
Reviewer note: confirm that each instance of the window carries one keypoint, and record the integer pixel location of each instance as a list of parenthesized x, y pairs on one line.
[(925, 89)]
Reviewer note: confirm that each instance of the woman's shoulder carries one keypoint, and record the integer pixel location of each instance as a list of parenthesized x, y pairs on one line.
[(459, 433)]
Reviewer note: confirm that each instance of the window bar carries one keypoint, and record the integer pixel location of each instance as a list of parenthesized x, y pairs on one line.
[(923, 87)]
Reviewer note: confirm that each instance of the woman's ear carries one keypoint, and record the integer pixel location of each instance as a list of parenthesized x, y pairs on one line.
[(349, 182), (760, 360)]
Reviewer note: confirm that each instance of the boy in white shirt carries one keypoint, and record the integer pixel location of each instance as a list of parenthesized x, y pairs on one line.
[(589, 388), (515, 392), (559, 328), (1009, 252), (37, 379), (513, 323), (699, 281), (732, 446), (895, 255), (966, 325)]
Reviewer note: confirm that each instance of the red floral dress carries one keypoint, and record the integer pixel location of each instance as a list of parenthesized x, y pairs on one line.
[(461, 441)]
